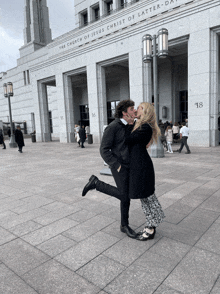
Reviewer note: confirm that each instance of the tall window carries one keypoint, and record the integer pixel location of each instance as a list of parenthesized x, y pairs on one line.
[(84, 114), (183, 102), (109, 7), (111, 106), (123, 3), (28, 77), (85, 18), (24, 75), (50, 120), (97, 13)]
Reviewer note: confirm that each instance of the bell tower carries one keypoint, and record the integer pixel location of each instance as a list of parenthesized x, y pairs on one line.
[(37, 32)]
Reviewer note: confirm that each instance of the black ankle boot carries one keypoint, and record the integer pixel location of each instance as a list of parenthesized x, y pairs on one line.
[(90, 185)]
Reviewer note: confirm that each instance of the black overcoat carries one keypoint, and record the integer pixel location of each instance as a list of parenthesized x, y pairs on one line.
[(142, 178), (82, 135), (1, 138), (19, 139), (113, 149)]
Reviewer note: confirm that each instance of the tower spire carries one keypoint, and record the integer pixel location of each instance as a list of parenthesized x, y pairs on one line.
[(37, 32)]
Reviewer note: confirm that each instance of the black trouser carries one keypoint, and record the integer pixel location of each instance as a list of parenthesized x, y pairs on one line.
[(184, 142), (4, 146), (121, 192)]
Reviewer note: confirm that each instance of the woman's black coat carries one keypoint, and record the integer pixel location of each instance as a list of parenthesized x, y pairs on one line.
[(142, 178), (19, 137)]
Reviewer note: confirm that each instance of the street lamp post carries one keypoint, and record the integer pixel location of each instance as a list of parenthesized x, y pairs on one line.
[(157, 150), (8, 92)]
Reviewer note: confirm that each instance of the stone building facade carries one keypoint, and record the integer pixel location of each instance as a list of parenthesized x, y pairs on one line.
[(80, 76)]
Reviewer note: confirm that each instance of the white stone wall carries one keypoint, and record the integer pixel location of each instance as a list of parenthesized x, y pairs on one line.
[(118, 35)]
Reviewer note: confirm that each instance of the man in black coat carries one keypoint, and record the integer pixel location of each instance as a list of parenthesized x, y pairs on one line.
[(115, 153), (19, 139), (82, 136), (2, 139)]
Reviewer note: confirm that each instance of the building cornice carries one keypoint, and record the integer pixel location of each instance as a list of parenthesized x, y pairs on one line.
[(189, 8)]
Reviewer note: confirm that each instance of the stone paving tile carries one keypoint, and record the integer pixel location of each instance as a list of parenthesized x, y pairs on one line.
[(167, 290), (12, 221), (10, 205), (94, 206), (56, 245), (101, 271), (149, 260), (77, 256), (5, 236), (7, 213), (55, 205), (113, 212), (11, 283), (56, 182), (196, 273), (170, 248), (199, 220), (82, 215), (24, 228), (216, 287), (211, 239), (54, 278), (21, 257), (137, 280), (173, 217), (45, 233), (127, 250), (212, 203), (178, 233), (88, 228), (51, 217), (114, 230)]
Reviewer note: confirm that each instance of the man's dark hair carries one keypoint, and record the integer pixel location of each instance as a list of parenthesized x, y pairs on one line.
[(123, 106), (183, 124)]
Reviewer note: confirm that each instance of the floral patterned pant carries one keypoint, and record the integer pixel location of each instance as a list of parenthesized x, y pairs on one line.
[(153, 211)]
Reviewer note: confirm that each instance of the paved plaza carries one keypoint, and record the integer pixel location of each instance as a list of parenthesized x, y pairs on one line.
[(54, 241)]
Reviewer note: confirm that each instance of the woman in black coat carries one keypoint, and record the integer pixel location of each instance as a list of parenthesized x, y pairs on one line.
[(142, 178), (19, 139)]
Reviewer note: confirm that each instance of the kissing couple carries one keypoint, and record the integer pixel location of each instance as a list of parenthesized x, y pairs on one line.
[(124, 148)]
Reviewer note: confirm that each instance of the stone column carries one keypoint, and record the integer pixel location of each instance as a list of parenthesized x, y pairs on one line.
[(64, 111), (136, 76), (69, 109), (115, 4), (44, 116), (102, 8), (97, 100), (199, 87), (214, 88)]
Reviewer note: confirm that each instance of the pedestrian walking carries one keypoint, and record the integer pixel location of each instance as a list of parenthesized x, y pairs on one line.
[(184, 134), (19, 139), (2, 142), (169, 138), (141, 175), (82, 136), (176, 131), (115, 153)]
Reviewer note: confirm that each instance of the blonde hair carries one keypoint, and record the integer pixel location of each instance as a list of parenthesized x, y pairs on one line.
[(149, 117)]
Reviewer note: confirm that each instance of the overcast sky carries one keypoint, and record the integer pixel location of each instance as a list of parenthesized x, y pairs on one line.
[(61, 16)]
